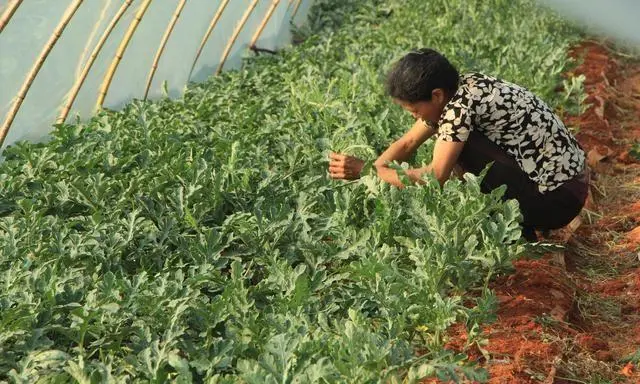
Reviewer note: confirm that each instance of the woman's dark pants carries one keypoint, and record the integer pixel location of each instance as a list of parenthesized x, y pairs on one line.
[(541, 211)]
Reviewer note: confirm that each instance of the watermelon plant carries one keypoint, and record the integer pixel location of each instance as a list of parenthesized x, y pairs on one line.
[(201, 240)]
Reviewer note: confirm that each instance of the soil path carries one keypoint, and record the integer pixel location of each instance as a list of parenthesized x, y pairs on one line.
[(602, 257)]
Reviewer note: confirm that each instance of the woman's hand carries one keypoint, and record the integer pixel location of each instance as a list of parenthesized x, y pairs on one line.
[(345, 167)]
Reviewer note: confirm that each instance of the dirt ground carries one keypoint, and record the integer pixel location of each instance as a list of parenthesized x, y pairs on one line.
[(574, 316)]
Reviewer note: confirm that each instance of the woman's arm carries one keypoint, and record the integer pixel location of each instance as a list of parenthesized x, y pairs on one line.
[(445, 156), (349, 167), (401, 149)]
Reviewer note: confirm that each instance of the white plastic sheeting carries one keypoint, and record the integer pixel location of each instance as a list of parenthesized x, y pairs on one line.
[(31, 26), (619, 19)]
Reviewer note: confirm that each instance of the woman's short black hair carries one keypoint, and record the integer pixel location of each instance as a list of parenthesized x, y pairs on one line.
[(418, 73)]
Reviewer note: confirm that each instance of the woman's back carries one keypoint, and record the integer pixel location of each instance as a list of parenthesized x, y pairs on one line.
[(519, 122)]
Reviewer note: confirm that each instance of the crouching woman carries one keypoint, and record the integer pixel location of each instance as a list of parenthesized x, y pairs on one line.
[(477, 120)]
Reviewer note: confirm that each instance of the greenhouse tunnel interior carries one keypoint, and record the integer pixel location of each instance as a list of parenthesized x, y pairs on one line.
[(212, 27), (181, 41), (175, 201)]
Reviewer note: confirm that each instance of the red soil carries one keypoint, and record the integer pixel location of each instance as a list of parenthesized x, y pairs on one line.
[(616, 236), (538, 290)]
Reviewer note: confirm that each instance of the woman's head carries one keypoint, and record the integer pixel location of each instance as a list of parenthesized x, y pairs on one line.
[(422, 82)]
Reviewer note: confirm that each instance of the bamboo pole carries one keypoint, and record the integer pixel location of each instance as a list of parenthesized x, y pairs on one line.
[(295, 9), (8, 13), (256, 35), (68, 14), (163, 43), (104, 88), (92, 34), (236, 32), (75, 89), (212, 25)]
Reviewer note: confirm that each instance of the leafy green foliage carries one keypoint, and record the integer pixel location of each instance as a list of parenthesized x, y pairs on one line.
[(635, 151), (201, 240)]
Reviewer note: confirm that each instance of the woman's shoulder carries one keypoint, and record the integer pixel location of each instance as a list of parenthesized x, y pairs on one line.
[(472, 78), (480, 79), (474, 87)]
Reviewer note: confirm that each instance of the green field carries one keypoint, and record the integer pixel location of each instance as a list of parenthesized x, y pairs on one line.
[(201, 240)]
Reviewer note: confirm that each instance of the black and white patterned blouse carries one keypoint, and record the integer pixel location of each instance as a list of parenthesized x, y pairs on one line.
[(517, 121)]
